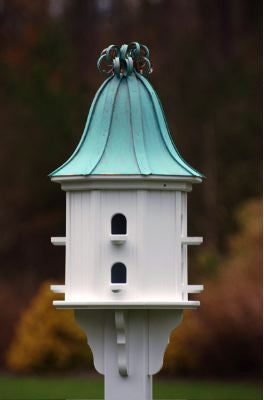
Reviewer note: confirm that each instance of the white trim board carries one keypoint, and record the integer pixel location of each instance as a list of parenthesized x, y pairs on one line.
[(126, 304), (125, 182)]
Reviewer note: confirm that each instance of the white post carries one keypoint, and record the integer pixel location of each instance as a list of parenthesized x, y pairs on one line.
[(126, 357), (128, 347)]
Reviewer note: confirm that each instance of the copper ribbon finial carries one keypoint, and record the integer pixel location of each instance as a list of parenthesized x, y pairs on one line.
[(123, 60)]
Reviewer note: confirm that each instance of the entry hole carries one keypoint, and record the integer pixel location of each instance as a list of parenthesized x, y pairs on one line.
[(119, 225), (118, 273)]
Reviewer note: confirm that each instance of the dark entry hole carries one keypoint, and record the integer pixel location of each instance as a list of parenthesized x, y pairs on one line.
[(118, 273), (119, 225)]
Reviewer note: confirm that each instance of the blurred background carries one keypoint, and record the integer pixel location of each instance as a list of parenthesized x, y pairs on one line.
[(206, 57)]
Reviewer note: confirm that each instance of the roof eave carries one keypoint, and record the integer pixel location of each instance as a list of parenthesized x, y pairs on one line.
[(126, 182)]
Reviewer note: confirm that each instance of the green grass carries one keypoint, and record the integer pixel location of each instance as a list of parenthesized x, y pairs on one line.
[(81, 388)]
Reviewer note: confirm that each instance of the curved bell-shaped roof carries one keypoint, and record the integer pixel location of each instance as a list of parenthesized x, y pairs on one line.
[(126, 132)]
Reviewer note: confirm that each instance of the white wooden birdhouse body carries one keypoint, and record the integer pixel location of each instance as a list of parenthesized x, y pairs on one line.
[(127, 246)]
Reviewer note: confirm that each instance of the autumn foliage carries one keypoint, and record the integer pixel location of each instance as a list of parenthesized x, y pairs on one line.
[(224, 336), (47, 339)]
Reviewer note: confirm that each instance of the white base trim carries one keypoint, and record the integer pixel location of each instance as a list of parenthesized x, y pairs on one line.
[(181, 305)]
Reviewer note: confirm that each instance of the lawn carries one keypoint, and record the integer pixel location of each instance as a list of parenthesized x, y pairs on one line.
[(81, 388)]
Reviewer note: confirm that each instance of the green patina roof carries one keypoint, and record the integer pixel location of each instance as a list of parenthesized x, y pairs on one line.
[(126, 131)]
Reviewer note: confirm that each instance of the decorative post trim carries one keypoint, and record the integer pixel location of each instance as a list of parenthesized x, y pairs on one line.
[(121, 341)]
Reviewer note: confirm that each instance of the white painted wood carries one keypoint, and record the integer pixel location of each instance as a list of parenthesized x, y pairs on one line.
[(154, 252), (158, 304), (58, 241), (118, 239), (68, 247), (138, 384), (178, 258), (121, 341), (95, 240), (117, 287), (161, 324), (100, 328), (184, 254), (93, 324), (192, 240), (57, 288), (125, 182), (193, 288), (164, 186), (131, 342), (83, 244), (113, 202), (140, 252)]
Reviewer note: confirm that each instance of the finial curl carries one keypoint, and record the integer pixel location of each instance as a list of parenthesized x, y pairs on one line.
[(123, 60)]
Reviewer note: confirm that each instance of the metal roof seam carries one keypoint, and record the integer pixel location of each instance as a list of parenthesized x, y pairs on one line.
[(107, 131), (137, 128)]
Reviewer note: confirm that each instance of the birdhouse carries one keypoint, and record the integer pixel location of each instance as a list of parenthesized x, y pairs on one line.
[(126, 215)]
